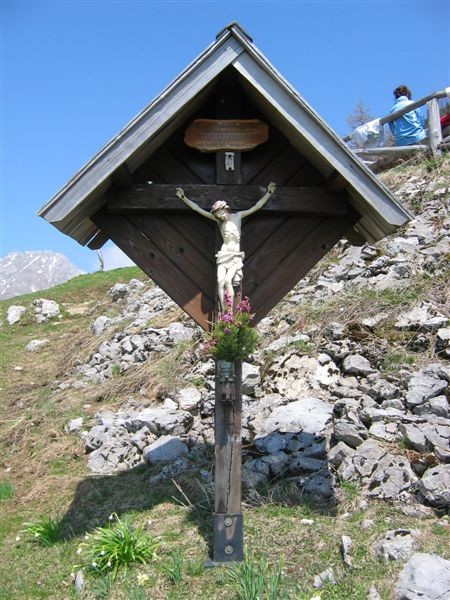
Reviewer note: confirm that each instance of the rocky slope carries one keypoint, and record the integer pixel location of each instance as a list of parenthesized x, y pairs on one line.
[(350, 385), (321, 402), (26, 272)]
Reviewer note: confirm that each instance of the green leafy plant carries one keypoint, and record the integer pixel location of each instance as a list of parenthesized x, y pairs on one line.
[(174, 568), (136, 593), (116, 370), (46, 531), (6, 490), (116, 546), (101, 587), (195, 568), (302, 347), (255, 579), (349, 489), (197, 381), (232, 336)]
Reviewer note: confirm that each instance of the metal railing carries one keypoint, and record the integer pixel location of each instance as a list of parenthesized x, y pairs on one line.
[(434, 127)]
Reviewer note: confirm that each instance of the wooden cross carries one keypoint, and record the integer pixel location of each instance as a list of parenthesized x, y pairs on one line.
[(176, 248)]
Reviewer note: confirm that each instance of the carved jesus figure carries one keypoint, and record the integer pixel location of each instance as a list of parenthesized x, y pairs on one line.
[(230, 259)]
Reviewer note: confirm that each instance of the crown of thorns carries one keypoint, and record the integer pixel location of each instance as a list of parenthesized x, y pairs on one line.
[(219, 205)]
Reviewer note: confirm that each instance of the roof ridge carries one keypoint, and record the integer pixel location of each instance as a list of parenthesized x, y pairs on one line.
[(234, 25)]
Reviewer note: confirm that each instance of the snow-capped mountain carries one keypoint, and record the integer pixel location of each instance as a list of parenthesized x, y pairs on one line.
[(25, 272)]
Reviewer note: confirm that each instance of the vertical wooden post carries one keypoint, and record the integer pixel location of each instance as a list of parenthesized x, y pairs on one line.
[(434, 127), (228, 538), (228, 544)]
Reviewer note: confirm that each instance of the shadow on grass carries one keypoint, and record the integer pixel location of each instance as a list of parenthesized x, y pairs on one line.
[(97, 497)]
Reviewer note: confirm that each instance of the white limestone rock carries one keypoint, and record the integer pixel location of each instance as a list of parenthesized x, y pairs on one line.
[(15, 313), (179, 332), (36, 345), (397, 544), (189, 399), (326, 576), (309, 414), (166, 449), (74, 425), (251, 378), (161, 421), (100, 324), (45, 310), (424, 577), (434, 487), (355, 364)]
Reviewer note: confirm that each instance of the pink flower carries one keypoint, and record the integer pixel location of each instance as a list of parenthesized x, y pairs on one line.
[(244, 305), (227, 299), (226, 317), (227, 330)]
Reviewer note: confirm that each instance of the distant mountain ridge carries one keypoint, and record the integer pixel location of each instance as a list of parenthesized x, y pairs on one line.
[(26, 272)]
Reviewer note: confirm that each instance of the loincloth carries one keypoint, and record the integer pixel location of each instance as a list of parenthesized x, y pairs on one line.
[(231, 260)]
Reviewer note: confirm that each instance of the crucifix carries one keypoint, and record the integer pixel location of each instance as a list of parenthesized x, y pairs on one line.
[(230, 258), (287, 231), (227, 138), (127, 193)]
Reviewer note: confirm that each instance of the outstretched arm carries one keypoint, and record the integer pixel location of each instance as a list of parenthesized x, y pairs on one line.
[(270, 190), (182, 196)]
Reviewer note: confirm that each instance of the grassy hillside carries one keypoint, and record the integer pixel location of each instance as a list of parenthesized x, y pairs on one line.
[(44, 478)]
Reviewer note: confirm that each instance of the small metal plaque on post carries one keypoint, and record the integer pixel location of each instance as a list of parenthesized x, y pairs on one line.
[(225, 380)]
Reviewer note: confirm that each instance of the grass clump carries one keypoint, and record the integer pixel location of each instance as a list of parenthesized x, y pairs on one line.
[(46, 531), (6, 490), (116, 546), (254, 579), (174, 568)]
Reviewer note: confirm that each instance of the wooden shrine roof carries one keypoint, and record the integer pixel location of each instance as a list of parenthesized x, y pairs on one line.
[(72, 209)]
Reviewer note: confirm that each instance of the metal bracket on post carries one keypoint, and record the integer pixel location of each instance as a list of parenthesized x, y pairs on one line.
[(228, 540), (229, 161)]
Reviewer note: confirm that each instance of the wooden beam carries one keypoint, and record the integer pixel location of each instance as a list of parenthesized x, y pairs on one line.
[(199, 266), (286, 200), (335, 182), (266, 259), (267, 289), (434, 127), (166, 271), (122, 178), (391, 150), (99, 239), (228, 526)]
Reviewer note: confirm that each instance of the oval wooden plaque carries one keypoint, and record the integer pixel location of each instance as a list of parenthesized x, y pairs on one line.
[(213, 135)]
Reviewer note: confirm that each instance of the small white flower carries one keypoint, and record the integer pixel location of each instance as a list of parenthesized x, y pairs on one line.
[(142, 578), (36, 534), (86, 537), (80, 550), (102, 553), (94, 564), (109, 563), (318, 597), (18, 538), (72, 575), (111, 517)]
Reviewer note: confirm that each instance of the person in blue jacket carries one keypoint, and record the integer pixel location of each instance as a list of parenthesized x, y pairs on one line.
[(407, 129)]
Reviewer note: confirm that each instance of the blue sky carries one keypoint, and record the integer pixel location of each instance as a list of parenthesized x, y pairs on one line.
[(75, 72)]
